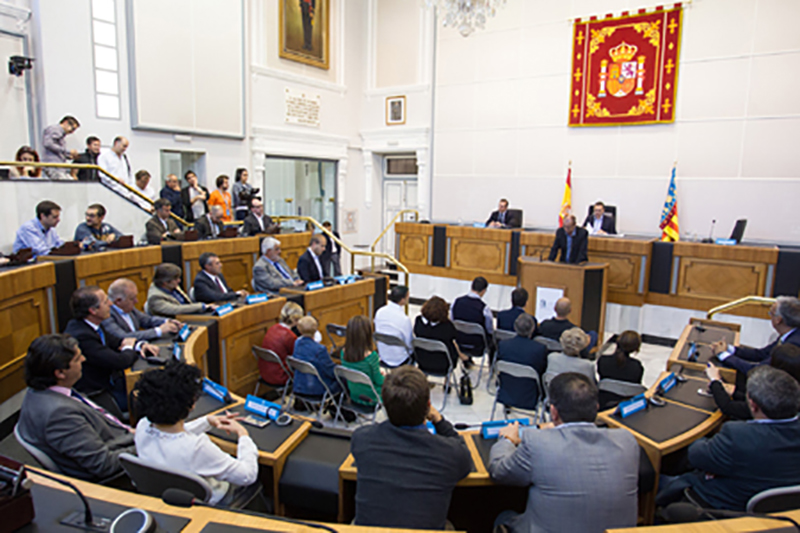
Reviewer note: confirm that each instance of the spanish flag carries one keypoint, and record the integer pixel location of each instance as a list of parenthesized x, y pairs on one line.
[(566, 202), (669, 215)]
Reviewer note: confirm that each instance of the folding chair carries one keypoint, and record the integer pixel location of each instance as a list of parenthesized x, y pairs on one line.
[(335, 330), (470, 328), (348, 375), (307, 368), (499, 336), (271, 357), (517, 370), (388, 340), (431, 356), (550, 344), (621, 389)]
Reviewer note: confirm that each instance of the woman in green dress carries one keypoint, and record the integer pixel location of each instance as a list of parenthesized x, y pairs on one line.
[(359, 354)]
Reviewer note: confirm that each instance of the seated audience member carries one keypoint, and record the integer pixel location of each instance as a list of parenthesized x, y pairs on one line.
[(88, 157), (141, 184), (172, 192), (194, 197), (600, 222), (331, 257), (503, 218), (308, 350), (280, 339), (571, 241), (107, 356), (241, 193), (522, 350), (433, 323), (79, 436), (26, 154), (210, 285), (573, 341), (95, 233), (506, 318), (222, 198), (784, 357), (166, 298), (746, 457), (165, 397), (210, 225), (582, 478), (127, 321), (40, 234), (359, 354), (271, 273), (552, 328), (406, 475), (620, 365), (472, 308), (391, 319), (785, 317), (256, 221), (161, 227), (309, 266)]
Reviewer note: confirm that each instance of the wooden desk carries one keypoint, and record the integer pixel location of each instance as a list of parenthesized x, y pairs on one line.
[(237, 255), (715, 330)]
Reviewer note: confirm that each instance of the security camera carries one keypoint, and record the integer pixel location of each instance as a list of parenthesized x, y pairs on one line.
[(19, 64)]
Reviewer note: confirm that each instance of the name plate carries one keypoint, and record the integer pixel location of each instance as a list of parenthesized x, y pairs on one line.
[(430, 427), (491, 430), (184, 333), (667, 383), (261, 407), (256, 298), (346, 280), (692, 354), (223, 310), (216, 391), (314, 285), (725, 242), (177, 351), (634, 405), (478, 224)]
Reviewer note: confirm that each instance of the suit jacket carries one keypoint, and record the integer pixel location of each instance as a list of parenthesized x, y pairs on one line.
[(267, 278), (582, 478), (207, 291), (744, 459), (162, 303), (512, 219), (102, 360), (506, 319), (609, 225), (80, 440), (744, 358), (580, 246), (251, 226), (514, 391), (203, 227), (307, 268), (187, 203), (155, 229), (145, 325), (310, 351)]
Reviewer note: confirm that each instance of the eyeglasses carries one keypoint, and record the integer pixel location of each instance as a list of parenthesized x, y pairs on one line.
[(91, 215)]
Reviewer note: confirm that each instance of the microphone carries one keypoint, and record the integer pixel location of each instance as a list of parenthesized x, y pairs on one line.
[(460, 426), (77, 519), (711, 232), (15, 478), (682, 512)]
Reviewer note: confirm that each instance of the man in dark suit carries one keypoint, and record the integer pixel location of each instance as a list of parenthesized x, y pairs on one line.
[(210, 285), (785, 317), (210, 225), (309, 266), (332, 254), (83, 439), (506, 318), (552, 328), (127, 321), (571, 241), (256, 221), (161, 227), (406, 475), (521, 350), (503, 218), (747, 457), (600, 222), (107, 356)]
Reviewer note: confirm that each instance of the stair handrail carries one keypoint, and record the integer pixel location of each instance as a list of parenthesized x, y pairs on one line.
[(386, 229), (747, 300)]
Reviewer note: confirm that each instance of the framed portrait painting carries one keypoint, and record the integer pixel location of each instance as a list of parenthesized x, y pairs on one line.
[(305, 31), (395, 110)]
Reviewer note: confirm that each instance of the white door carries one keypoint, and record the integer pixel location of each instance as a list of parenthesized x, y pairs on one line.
[(14, 99), (398, 194)]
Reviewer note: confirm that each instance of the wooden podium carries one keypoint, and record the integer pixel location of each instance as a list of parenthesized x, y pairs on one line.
[(586, 285)]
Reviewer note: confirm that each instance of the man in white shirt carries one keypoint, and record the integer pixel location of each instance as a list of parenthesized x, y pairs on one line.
[(116, 163), (391, 319), (142, 186)]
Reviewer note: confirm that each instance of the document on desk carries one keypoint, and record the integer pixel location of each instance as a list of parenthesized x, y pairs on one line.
[(546, 299)]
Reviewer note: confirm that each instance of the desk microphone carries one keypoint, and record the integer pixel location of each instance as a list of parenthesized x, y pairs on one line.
[(461, 426), (15, 478), (682, 512), (711, 232), (85, 520)]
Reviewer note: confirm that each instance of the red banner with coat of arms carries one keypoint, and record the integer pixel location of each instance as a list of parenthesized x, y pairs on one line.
[(625, 69)]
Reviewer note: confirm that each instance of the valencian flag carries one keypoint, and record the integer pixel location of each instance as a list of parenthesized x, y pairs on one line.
[(566, 201), (669, 215), (625, 69)]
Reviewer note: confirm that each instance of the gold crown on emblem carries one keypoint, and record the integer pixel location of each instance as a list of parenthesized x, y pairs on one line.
[(623, 52)]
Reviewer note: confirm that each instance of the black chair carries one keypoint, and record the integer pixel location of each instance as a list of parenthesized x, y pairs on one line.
[(468, 330), (517, 370), (432, 356), (515, 214), (610, 209)]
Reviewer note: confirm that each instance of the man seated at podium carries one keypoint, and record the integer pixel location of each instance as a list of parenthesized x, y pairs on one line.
[(271, 273), (309, 266), (210, 226), (40, 234), (600, 222), (503, 218), (94, 233), (571, 241), (210, 285), (127, 321), (166, 298), (161, 227)]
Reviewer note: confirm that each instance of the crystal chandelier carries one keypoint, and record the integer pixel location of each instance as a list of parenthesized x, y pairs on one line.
[(465, 15)]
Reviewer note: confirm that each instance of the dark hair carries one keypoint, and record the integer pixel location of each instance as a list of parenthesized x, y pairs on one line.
[(166, 272), (90, 139), (574, 396), (167, 395), (142, 174), (162, 202), (406, 395), (101, 211), (479, 284), (397, 293), (503, 200), (186, 174), (117, 140), (205, 257), (774, 391), (46, 354), (70, 118), (28, 150), (317, 238), (628, 342), (435, 310), (238, 176), (786, 357), (358, 339), (46, 208), (519, 297), (326, 224), (83, 300), (601, 204), (221, 179)]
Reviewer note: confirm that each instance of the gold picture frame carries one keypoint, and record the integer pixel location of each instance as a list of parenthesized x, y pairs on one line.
[(304, 38), (395, 110)]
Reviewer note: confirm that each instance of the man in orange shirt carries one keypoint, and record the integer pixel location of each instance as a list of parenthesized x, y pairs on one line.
[(222, 198)]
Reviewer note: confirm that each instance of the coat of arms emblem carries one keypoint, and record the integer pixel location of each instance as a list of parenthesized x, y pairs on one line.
[(623, 74)]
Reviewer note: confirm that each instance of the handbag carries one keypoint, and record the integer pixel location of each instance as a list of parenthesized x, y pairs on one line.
[(465, 390)]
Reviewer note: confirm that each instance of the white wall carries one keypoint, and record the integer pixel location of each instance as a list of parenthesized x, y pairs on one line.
[(501, 113)]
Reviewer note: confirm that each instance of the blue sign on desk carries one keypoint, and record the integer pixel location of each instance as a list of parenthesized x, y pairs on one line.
[(726, 242), (314, 285), (261, 407), (257, 298), (667, 383), (491, 430), (223, 310), (346, 280), (184, 333), (634, 405), (215, 390)]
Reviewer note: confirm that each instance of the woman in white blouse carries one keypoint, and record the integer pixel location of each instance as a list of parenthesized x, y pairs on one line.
[(165, 397)]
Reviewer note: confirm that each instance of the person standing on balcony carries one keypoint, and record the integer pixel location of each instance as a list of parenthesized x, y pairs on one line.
[(116, 163), (222, 198), (54, 141)]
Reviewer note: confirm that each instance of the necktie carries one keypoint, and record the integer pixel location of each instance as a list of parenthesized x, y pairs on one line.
[(99, 409), (282, 270), (102, 335), (503, 217), (219, 284)]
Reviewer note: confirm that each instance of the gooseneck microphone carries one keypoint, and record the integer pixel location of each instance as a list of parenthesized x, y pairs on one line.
[(711, 231), (461, 426), (84, 520)]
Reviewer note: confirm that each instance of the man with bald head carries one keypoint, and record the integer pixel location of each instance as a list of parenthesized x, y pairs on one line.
[(552, 328), (127, 321), (256, 221), (116, 163), (210, 226), (571, 241)]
